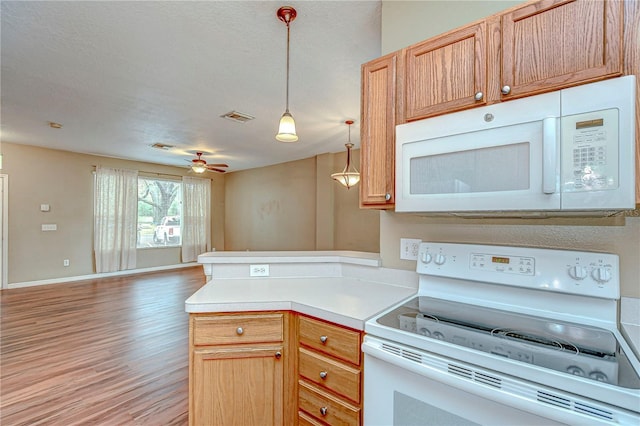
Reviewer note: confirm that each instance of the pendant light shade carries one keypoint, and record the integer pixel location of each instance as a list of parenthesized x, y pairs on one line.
[(349, 176), (287, 128)]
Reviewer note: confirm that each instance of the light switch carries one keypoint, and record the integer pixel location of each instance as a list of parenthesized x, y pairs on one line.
[(49, 227), (44, 207)]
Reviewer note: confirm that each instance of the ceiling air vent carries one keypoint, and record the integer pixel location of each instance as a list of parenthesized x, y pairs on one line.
[(162, 146), (237, 116)]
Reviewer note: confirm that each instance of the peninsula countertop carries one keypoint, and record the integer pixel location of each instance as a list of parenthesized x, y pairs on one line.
[(342, 300), (343, 287)]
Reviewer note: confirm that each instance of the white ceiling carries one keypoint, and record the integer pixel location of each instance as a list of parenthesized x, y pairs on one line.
[(123, 75)]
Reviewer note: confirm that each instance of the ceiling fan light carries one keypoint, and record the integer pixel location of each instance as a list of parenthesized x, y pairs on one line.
[(199, 168), (287, 129)]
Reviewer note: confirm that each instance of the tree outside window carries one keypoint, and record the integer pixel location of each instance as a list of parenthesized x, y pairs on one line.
[(159, 212)]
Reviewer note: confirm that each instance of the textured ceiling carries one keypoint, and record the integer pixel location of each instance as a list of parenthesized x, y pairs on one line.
[(121, 76)]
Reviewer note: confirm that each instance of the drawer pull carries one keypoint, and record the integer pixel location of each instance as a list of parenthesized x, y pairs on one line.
[(323, 374), (323, 411), (278, 355), (323, 339), (239, 331)]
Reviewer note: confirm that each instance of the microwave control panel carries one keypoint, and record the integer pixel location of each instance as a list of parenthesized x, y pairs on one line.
[(590, 151)]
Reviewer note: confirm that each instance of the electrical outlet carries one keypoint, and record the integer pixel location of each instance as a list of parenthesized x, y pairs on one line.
[(409, 248), (65, 262), (258, 270)]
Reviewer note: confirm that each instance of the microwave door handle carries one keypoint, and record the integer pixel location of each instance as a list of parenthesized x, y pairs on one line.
[(549, 155)]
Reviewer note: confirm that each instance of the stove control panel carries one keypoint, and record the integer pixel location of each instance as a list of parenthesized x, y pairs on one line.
[(565, 271), (507, 264)]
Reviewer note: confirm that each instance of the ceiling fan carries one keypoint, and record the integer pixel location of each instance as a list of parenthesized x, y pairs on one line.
[(198, 165)]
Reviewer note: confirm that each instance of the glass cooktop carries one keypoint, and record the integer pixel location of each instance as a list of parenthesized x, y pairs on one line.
[(571, 348)]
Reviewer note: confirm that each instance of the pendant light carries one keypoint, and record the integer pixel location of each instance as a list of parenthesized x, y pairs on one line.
[(287, 128), (349, 176)]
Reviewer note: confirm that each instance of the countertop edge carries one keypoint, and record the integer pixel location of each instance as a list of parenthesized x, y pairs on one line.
[(235, 257)]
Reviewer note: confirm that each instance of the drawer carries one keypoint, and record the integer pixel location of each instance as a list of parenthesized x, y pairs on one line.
[(325, 407), (328, 373), (306, 420), (331, 339), (237, 329)]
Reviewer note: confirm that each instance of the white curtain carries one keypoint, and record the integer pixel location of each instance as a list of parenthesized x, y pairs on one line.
[(115, 219), (196, 222)]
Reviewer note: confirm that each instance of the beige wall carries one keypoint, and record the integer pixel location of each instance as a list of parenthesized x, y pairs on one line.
[(64, 180), (297, 206), (407, 22)]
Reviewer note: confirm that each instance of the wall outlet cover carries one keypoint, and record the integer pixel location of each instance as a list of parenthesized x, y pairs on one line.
[(409, 248), (258, 270)]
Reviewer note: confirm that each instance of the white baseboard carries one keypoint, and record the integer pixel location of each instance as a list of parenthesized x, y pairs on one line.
[(100, 275)]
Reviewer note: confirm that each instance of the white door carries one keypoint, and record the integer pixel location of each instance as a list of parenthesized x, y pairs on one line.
[(3, 230)]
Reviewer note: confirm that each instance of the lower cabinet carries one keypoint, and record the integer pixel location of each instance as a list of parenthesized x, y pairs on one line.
[(329, 373), (238, 369), (273, 368)]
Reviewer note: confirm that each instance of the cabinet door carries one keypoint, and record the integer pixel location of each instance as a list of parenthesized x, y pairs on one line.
[(377, 131), (446, 73), (553, 44), (238, 386)]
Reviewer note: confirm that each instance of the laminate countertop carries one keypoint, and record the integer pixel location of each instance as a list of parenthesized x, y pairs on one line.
[(346, 288), (342, 300)]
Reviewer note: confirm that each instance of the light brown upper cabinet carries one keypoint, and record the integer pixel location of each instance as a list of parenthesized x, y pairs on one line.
[(539, 47), (446, 73), (380, 107), (552, 44)]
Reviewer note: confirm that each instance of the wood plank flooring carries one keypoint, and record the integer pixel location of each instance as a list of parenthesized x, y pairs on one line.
[(110, 351)]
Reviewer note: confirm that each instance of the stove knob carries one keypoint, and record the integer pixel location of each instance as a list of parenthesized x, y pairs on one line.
[(426, 257), (440, 259), (578, 272), (602, 275), (438, 335), (425, 332)]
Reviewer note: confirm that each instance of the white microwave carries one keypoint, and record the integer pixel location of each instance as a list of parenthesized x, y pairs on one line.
[(570, 151)]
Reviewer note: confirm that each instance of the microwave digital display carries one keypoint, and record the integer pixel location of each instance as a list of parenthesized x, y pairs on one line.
[(589, 123), (496, 259)]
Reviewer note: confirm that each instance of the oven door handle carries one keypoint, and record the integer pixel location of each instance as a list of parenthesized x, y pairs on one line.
[(372, 346)]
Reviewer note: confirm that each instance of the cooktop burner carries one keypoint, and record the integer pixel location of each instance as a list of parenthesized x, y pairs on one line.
[(569, 348)]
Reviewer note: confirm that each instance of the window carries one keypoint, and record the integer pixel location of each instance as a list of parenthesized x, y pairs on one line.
[(159, 212)]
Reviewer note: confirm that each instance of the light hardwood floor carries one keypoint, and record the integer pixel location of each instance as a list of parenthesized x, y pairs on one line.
[(110, 351)]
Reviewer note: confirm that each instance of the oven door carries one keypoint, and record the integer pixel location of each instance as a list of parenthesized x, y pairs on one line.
[(500, 157), (405, 386)]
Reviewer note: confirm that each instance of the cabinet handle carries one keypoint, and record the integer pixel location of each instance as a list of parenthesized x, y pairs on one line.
[(323, 339), (323, 411), (505, 90), (479, 96), (278, 355), (239, 331), (387, 196), (323, 374)]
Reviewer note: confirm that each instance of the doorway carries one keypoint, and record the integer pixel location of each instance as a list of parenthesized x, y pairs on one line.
[(4, 228)]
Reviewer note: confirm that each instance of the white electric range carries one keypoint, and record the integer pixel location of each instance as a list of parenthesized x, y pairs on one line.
[(503, 335)]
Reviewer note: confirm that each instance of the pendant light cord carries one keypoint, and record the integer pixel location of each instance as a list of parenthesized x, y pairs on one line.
[(287, 103)]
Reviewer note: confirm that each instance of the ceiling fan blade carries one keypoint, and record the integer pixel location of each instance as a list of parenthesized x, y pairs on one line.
[(218, 165), (213, 169)]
